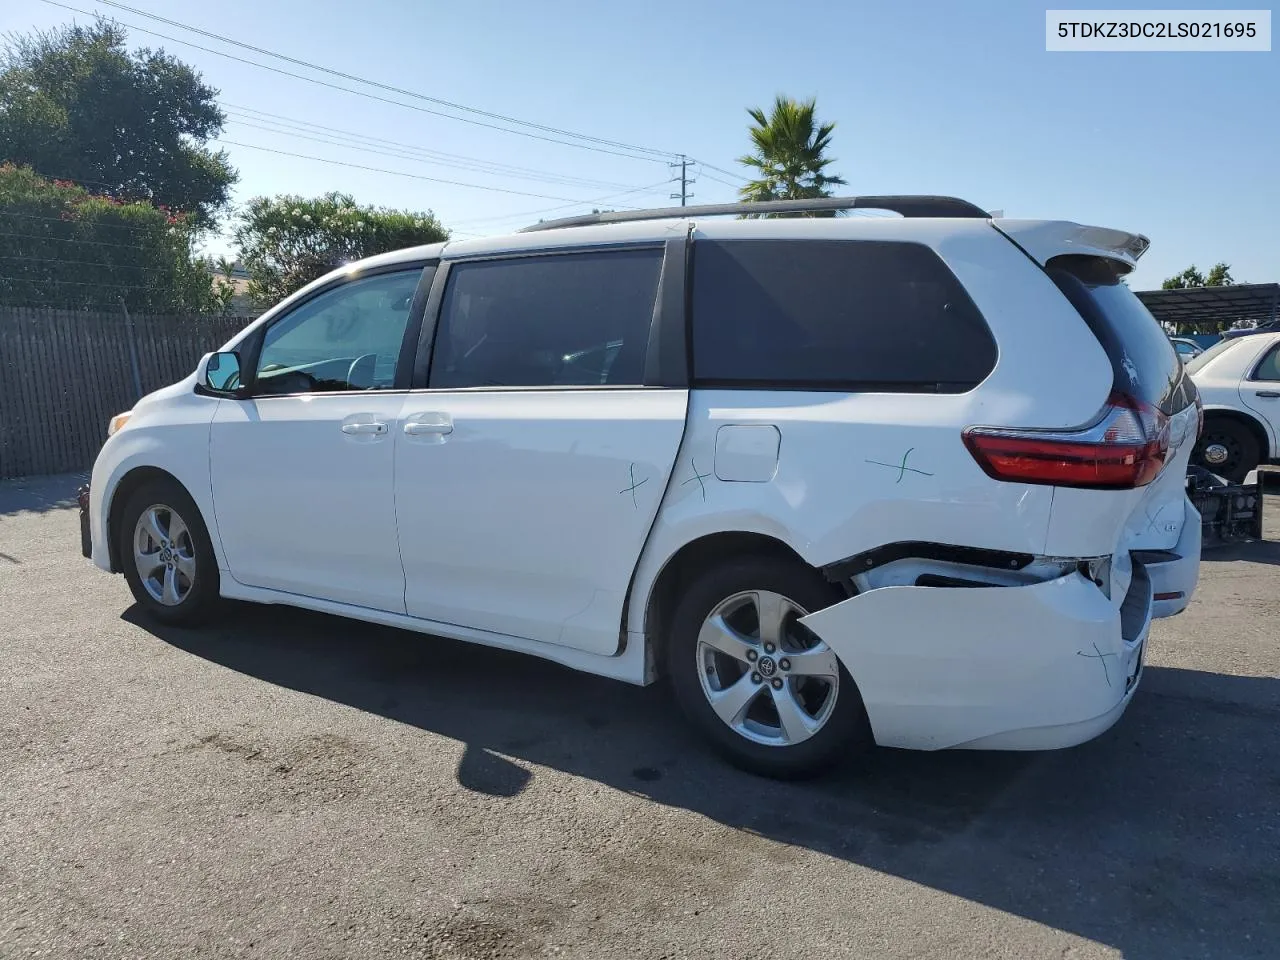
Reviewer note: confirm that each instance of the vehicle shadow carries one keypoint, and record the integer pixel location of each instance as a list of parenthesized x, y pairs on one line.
[(1254, 551), (1161, 838), (40, 494)]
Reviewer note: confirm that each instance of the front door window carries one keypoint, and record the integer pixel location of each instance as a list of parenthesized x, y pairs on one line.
[(348, 338)]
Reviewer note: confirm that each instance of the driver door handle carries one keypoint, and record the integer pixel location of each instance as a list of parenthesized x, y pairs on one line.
[(377, 429), (1269, 394)]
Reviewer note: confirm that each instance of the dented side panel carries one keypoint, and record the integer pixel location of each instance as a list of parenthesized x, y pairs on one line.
[(943, 667)]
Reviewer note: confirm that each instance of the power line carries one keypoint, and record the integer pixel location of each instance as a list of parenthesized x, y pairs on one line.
[(503, 169), (124, 189), (359, 93), (384, 86), (304, 125), (97, 243), (533, 213), (401, 173), (41, 238), (77, 283), (398, 173), (76, 180), (86, 263), (652, 154), (728, 173), (95, 223), (411, 155), (719, 180), (310, 126)]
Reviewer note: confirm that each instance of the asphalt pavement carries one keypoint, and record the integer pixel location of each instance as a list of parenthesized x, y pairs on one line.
[(288, 784)]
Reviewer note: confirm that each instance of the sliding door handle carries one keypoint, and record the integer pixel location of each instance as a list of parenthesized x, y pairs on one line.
[(416, 428)]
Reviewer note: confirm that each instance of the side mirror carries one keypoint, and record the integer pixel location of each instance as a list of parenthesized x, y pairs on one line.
[(219, 373)]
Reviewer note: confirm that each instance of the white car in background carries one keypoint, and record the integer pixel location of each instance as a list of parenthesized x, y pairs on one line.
[(1239, 383), (916, 480)]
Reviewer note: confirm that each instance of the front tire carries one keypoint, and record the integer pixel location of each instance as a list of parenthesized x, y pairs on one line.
[(166, 554), (1227, 448), (767, 693)]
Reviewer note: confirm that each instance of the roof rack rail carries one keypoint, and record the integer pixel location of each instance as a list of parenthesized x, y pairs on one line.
[(907, 206)]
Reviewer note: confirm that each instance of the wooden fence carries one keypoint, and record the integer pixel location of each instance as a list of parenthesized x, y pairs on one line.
[(64, 373)]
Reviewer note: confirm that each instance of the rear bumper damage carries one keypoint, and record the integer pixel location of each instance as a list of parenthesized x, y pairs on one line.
[(1030, 667), (1014, 668)]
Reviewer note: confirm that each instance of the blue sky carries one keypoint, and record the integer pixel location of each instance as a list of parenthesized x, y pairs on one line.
[(929, 97)]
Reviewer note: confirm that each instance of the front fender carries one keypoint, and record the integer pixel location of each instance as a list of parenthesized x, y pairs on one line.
[(168, 431)]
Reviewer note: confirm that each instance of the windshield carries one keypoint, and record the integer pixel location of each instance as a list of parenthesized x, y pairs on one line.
[(1217, 350)]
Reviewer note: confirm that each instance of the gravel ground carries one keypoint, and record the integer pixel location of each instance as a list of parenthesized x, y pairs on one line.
[(294, 785)]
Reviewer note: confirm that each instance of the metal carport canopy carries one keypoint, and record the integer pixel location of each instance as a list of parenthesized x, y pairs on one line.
[(1211, 306)]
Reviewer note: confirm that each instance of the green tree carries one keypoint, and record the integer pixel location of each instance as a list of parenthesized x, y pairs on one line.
[(790, 160), (76, 105), (224, 287), (286, 242), (61, 246), (1219, 276)]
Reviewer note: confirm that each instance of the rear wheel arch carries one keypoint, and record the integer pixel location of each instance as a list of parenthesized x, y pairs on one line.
[(686, 563), (130, 482)]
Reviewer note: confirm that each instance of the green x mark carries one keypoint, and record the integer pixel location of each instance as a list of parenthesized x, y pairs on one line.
[(902, 467), (632, 489), (699, 477), (1101, 658)]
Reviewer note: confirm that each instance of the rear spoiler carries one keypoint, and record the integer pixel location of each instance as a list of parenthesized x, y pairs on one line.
[(1043, 240)]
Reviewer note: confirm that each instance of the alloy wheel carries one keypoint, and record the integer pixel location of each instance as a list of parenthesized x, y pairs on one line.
[(769, 679), (164, 555)]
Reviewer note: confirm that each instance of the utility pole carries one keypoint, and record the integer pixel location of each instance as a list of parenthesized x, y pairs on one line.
[(683, 179)]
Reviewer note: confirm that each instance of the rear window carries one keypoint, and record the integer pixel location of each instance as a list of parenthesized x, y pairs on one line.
[(1269, 368), (1215, 351), (834, 315), (1144, 362)]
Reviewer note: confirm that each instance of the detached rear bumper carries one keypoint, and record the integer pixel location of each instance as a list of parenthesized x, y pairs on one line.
[(1011, 668), (1228, 512)]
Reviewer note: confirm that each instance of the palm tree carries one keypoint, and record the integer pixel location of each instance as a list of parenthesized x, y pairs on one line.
[(789, 154)]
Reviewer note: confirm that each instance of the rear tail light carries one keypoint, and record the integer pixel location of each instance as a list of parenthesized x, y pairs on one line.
[(1124, 448)]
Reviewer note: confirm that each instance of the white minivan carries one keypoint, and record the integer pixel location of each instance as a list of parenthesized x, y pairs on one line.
[(911, 480)]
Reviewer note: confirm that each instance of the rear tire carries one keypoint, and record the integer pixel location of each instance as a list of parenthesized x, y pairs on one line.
[(1227, 448), (717, 650), (166, 554)]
